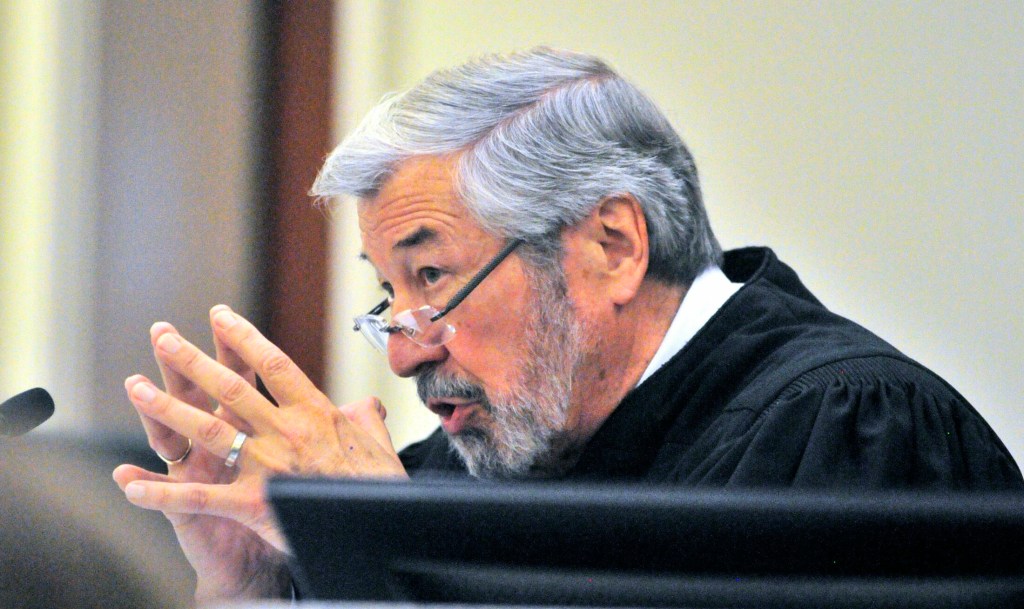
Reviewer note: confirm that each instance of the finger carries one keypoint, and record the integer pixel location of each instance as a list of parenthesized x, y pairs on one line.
[(243, 504), (192, 498), (227, 357), (368, 415), (211, 432), (162, 439), (184, 389), (230, 360), (177, 385), (126, 474), (222, 384), (280, 375)]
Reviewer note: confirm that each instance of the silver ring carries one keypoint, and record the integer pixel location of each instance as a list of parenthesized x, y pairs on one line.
[(188, 449), (236, 449)]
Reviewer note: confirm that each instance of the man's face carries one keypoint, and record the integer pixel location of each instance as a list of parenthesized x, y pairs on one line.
[(502, 386), (523, 429)]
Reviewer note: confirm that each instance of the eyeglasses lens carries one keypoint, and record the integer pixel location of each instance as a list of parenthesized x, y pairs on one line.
[(418, 326), (373, 329)]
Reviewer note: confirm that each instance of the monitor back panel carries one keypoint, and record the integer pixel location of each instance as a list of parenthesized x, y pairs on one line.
[(624, 545)]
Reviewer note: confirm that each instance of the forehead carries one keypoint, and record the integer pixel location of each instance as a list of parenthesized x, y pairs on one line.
[(417, 204)]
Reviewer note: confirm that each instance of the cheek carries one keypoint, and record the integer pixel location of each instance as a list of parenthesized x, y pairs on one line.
[(490, 341), (488, 348)]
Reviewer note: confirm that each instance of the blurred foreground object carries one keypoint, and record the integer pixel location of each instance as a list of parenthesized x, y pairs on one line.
[(68, 540)]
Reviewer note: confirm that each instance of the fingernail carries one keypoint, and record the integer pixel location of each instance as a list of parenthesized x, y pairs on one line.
[(160, 326), (134, 490), (131, 380), (225, 319), (144, 392), (169, 343)]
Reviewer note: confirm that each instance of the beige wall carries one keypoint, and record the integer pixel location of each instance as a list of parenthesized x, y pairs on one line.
[(876, 146), (126, 153)]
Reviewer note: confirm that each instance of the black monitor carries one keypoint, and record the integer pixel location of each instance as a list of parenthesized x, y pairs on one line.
[(553, 544)]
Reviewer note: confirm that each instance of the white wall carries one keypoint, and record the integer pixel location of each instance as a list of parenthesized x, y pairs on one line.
[(48, 148), (876, 146)]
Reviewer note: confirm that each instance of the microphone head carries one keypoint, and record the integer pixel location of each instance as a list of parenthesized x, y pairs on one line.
[(25, 411)]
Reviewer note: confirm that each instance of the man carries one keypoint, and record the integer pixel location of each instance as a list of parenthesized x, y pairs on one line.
[(537, 228)]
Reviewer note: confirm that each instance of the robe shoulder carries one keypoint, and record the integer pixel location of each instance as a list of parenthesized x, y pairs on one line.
[(871, 422)]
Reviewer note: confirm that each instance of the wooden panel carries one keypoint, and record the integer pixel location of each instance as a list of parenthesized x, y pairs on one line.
[(299, 107)]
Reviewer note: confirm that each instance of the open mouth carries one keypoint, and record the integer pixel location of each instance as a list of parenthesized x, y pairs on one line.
[(441, 408), (456, 415)]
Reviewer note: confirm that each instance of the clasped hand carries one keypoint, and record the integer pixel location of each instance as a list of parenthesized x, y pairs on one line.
[(218, 509)]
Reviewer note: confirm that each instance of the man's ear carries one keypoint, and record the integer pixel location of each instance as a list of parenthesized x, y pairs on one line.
[(622, 235)]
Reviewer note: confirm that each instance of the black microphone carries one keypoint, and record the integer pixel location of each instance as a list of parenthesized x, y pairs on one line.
[(25, 412)]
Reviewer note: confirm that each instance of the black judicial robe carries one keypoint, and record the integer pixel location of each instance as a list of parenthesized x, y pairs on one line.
[(774, 391)]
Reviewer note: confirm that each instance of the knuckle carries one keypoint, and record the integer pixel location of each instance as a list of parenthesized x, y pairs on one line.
[(370, 406), (163, 495), (211, 430), (232, 388), (275, 363), (299, 436), (363, 405), (196, 499), (275, 464)]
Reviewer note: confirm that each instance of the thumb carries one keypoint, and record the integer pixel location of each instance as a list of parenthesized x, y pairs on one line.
[(368, 415)]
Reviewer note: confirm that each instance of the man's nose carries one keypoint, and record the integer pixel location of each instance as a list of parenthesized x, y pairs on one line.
[(406, 357)]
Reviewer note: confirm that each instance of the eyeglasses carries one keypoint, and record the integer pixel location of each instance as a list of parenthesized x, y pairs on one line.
[(423, 326)]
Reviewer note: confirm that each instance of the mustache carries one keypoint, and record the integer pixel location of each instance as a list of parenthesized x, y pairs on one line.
[(433, 383)]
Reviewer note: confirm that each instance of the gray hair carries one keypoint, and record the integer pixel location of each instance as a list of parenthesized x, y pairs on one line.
[(540, 138)]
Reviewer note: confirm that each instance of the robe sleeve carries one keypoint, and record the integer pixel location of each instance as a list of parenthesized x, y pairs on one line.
[(874, 422)]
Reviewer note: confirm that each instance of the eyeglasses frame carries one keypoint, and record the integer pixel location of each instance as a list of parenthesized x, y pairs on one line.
[(455, 300)]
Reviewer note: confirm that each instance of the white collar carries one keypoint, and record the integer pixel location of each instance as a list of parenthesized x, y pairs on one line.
[(708, 292)]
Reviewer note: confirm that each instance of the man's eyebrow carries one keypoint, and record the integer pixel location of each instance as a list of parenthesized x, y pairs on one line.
[(418, 237)]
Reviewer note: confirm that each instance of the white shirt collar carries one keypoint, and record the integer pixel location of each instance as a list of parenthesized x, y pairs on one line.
[(709, 291)]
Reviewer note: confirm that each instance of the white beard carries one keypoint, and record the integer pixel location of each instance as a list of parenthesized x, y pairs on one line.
[(525, 422)]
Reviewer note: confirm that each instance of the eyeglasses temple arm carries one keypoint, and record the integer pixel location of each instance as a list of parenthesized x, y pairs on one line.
[(377, 310), (480, 276), (380, 308)]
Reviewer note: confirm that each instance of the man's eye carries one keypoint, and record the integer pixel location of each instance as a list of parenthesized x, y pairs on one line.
[(431, 275), (387, 288)]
